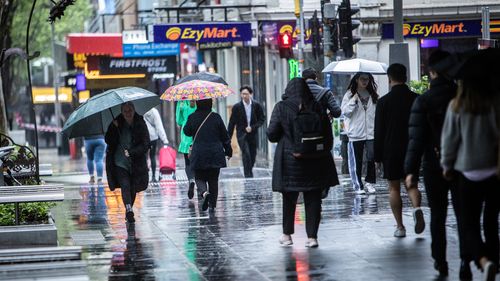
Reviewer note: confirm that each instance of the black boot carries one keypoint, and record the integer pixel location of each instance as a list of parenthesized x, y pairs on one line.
[(442, 268)]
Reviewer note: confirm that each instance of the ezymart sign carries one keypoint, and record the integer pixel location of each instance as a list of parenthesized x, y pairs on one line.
[(437, 29), (202, 33)]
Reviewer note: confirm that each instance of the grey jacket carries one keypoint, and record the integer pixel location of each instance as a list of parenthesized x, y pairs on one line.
[(325, 97), (469, 142)]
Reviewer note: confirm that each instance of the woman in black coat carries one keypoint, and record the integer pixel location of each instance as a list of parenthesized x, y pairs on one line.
[(211, 145), (126, 167), (292, 175)]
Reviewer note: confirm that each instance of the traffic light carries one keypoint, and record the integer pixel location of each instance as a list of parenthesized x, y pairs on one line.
[(334, 36), (314, 25), (285, 42), (346, 26)]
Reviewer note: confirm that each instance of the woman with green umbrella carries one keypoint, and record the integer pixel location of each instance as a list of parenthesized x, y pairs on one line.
[(126, 167), (182, 112)]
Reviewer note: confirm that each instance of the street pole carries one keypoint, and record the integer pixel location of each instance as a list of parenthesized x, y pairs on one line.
[(486, 22), (398, 51), (57, 104), (299, 13)]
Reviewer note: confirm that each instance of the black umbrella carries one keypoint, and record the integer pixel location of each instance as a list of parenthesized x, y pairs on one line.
[(205, 76)]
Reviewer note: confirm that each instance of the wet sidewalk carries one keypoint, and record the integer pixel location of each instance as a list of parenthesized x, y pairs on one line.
[(174, 240)]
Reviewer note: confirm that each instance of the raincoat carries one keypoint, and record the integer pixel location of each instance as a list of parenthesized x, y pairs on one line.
[(182, 113)]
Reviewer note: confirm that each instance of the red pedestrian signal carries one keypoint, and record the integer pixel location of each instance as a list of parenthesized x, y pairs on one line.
[(285, 45)]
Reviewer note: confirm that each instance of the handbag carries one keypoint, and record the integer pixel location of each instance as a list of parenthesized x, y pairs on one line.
[(196, 134)]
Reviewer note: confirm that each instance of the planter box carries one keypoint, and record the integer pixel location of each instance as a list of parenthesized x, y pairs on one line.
[(29, 235)]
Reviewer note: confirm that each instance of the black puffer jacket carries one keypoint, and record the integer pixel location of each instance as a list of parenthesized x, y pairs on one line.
[(138, 151), (289, 173), (212, 143), (425, 126)]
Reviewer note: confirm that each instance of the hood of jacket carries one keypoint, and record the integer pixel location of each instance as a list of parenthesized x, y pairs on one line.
[(297, 90)]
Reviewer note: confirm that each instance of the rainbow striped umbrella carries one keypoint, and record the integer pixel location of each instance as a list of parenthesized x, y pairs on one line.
[(196, 90)]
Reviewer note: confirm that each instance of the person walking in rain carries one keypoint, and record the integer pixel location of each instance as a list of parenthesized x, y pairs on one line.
[(126, 164), (425, 127), (156, 132), (182, 112), (391, 142), (94, 148), (358, 107), (293, 174), (211, 145), (469, 153), (322, 95), (247, 116)]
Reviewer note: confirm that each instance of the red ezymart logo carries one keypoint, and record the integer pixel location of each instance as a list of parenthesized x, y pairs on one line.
[(176, 33), (433, 29)]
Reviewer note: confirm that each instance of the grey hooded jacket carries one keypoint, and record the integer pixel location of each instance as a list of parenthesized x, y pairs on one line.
[(325, 97)]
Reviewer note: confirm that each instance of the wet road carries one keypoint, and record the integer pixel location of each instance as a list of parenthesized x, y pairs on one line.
[(174, 240)]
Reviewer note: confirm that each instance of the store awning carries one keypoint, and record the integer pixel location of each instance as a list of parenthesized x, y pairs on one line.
[(95, 43)]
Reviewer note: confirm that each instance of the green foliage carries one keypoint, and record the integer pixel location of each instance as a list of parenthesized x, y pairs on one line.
[(29, 213), (73, 20), (420, 86)]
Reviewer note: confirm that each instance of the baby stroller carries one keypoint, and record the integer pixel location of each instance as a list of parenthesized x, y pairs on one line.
[(167, 161)]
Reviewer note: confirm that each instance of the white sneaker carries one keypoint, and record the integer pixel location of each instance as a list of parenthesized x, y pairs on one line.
[(370, 187), (400, 232), (418, 219), (286, 240), (360, 192), (312, 243)]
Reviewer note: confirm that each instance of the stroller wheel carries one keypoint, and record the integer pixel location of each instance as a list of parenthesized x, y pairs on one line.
[(173, 176)]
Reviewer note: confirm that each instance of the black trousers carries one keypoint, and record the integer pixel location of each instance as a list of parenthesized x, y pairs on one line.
[(437, 189), (208, 180), (312, 201), (473, 196), (248, 146), (343, 153), (152, 156), (125, 183), (189, 171)]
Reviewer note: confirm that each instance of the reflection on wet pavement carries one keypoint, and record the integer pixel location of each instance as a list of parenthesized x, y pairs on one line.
[(174, 240)]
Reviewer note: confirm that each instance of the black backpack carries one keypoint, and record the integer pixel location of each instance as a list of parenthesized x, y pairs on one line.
[(310, 139)]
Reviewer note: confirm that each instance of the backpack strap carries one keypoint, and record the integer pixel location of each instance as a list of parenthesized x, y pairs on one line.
[(322, 94)]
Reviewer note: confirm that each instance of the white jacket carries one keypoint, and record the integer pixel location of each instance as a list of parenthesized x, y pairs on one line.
[(155, 126), (359, 123)]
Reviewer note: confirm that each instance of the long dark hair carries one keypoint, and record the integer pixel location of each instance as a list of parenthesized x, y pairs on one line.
[(474, 96), (371, 88)]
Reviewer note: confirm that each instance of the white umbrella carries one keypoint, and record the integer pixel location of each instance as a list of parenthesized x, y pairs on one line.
[(354, 66)]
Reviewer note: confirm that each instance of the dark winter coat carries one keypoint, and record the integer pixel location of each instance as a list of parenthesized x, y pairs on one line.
[(138, 151), (289, 173), (325, 97), (426, 124), (212, 143), (238, 119), (391, 124)]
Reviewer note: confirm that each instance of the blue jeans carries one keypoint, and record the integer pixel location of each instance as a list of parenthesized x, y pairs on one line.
[(95, 153)]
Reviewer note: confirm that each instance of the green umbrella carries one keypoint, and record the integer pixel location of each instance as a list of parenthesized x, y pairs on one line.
[(94, 116)]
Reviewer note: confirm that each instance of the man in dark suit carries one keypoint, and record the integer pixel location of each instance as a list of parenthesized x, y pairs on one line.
[(391, 141), (247, 116)]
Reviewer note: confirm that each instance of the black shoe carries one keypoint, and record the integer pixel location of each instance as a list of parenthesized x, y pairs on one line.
[(204, 204), (442, 268), (465, 273), (130, 217), (191, 190)]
